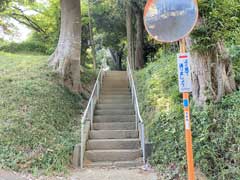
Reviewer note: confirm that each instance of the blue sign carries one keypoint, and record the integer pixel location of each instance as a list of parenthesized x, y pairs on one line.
[(184, 73), (185, 103)]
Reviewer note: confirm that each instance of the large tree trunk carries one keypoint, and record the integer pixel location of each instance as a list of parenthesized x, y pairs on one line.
[(66, 58), (92, 42), (201, 78), (130, 34), (212, 75), (139, 60), (224, 72)]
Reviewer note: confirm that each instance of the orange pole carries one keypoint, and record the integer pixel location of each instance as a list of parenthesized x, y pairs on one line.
[(188, 133)]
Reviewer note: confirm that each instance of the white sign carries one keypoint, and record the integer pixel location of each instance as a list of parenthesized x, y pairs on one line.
[(184, 72), (187, 122)]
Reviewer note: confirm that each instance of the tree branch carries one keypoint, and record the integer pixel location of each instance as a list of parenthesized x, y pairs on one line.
[(30, 23)]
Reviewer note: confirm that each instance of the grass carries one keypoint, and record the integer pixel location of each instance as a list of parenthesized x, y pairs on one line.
[(39, 119)]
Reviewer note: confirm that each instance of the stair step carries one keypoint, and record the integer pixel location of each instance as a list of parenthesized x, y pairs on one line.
[(121, 88), (116, 89), (115, 126), (114, 118), (114, 106), (101, 144), (116, 72), (115, 77), (115, 101), (116, 83), (113, 155), (115, 134), (115, 80), (114, 112), (124, 90), (124, 86), (115, 93), (120, 164), (117, 96)]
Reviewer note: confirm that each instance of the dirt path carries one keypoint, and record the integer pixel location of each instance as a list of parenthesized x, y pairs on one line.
[(5, 175), (90, 174)]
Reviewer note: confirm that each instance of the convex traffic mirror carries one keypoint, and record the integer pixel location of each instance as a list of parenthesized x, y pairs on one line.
[(170, 20)]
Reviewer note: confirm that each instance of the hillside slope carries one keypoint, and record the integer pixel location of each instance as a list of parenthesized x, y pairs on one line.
[(39, 119), (216, 134)]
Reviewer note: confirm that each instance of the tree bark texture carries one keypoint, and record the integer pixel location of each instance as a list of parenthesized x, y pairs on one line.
[(91, 35), (201, 78), (130, 34), (224, 72), (212, 75), (66, 58), (139, 60)]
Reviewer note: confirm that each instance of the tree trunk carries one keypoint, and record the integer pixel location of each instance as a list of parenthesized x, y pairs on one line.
[(91, 35), (66, 58), (139, 60), (224, 72), (130, 39), (212, 75), (201, 78)]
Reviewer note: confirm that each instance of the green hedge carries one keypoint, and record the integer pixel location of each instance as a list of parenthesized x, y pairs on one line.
[(235, 55), (28, 46), (216, 134)]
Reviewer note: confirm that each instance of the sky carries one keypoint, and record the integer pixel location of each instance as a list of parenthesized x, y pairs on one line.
[(22, 32)]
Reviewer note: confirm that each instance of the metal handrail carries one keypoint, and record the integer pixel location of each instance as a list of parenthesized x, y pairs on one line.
[(89, 111), (139, 120)]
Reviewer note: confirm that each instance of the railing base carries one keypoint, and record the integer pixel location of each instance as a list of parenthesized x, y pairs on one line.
[(76, 158)]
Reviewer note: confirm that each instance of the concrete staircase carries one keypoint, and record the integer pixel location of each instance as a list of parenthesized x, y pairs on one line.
[(114, 140)]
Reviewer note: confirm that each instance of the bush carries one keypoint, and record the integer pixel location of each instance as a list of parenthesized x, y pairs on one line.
[(216, 135), (216, 138), (28, 46), (235, 55)]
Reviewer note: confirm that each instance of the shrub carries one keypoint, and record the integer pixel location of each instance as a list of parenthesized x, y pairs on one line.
[(216, 135), (216, 138), (27, 46), (235, 55)]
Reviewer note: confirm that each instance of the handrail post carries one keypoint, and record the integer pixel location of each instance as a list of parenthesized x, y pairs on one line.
[(98, 90), (101, 80), (136, 117), (132, 95), (143, 142), (82, 144), (91, 112)]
